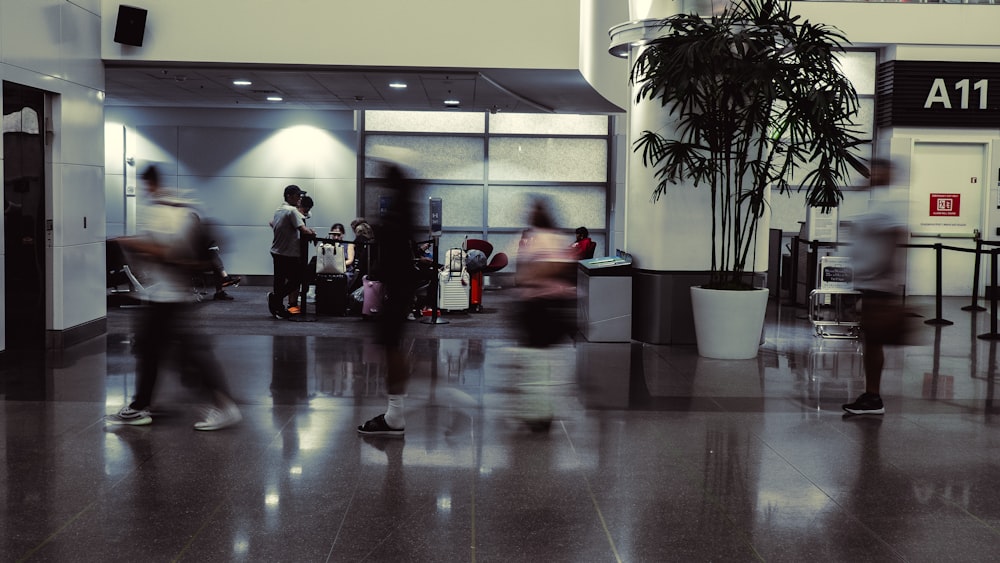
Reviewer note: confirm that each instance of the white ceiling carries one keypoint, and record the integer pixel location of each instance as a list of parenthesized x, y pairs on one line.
[(339, 88)]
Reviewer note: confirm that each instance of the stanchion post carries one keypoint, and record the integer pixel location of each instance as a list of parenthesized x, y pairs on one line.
[(992, 334), (975, 307), (813, 264), (793, 282), (938, 274), (434, 319)]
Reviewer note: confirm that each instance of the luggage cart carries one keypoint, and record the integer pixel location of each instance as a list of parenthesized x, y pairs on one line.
[(835, 307)]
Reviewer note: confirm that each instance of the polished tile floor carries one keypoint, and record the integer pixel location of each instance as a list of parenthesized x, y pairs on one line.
[(655, 455)]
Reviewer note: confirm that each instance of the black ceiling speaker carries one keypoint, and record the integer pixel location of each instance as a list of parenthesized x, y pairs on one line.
[(131, 25)]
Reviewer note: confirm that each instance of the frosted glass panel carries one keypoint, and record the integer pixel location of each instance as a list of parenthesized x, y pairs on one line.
[(508, 244), (859, 68), (425, 121), (433, 157), (461, 206), (549, 124), (571, 206), (548, 160)]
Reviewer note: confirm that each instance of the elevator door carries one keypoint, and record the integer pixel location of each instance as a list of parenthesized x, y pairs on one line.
[(24, 215)]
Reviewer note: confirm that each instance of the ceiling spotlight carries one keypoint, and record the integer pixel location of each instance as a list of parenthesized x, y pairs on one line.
[(241, 83), (399, 85), (274, 98), (452, 102)]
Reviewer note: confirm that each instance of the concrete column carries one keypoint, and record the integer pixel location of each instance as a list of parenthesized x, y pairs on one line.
[(670, 240)]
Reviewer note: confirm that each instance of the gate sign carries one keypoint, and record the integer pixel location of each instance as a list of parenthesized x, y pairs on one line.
[(945, 205), (935, 93)]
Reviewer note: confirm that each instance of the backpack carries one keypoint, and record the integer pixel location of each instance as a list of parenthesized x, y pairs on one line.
[(200, 238)]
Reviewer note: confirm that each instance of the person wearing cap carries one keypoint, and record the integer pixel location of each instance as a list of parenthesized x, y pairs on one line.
[(305, 206), (288, 226)]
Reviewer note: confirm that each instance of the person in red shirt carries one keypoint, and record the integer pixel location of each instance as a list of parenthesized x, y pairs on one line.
[(583, 247)]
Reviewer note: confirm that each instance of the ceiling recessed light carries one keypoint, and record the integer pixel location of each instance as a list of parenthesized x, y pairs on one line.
[(241, 83), (274, 98), (452, 102), (397, 85)]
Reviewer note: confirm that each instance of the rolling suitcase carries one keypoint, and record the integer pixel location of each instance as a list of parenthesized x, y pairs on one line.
[(374, 297), (331, 294), (453, 282)]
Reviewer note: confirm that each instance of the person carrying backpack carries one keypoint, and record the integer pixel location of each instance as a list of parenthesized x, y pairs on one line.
[(172, 247)]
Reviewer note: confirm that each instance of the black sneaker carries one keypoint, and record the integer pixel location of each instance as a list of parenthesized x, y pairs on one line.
[(130, 417), (223, 296), (378, 427), (231, 280), (867, 403), (275, 306)]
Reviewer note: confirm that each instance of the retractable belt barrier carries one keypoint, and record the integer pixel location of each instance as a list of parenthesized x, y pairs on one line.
[(939, 249)]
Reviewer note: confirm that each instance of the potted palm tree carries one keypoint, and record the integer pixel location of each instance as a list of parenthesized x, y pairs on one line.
[(756, 102)]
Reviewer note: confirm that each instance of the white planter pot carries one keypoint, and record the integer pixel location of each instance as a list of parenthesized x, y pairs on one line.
[(728, 323)]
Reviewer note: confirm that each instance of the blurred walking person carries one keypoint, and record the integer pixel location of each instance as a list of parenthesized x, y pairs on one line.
[(879, 273), (546, 315), (171, 248), (395, 268)]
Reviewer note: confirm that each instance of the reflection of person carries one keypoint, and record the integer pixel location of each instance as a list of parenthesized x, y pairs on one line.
[(288, 225), (878, 274), (583, 247), (169, 247), (395, 270)]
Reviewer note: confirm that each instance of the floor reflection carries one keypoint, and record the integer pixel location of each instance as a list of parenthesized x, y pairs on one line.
[(655, 454)]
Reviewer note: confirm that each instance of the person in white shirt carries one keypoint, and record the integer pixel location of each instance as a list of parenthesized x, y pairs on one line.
[(288, 225), (169, 248)]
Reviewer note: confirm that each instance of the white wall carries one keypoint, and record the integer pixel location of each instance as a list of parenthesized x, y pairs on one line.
[(235, 163), (428, 33), (54, 45)]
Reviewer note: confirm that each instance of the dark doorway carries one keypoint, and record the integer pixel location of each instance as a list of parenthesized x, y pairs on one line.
[(24, 215)]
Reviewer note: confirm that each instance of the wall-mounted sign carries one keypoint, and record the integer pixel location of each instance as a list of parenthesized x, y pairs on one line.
[(932, 93), (946, 205), (435, 216)]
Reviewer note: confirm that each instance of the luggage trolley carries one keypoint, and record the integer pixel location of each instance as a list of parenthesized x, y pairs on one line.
[(835, 307)]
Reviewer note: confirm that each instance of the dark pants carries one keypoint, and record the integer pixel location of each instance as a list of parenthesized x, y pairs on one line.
[(287, 275), (391, 325), (158, 332), (883, 321)]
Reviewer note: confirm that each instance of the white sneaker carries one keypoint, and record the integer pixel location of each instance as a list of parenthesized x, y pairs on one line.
[(217, 419)]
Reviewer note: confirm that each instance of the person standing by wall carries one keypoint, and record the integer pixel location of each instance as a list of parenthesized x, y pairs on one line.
[(304, 206), (288, 225), (170, 249)]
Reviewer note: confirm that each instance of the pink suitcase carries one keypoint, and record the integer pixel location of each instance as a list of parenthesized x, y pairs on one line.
[(374, 297)]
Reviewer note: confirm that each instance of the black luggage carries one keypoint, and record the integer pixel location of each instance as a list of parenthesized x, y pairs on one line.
[(331, 294)]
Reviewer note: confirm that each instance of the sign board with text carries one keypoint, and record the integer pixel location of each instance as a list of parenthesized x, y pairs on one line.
[(945, 205), (938, 93)]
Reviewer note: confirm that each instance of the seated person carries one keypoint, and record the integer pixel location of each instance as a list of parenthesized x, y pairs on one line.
[(583, 248), (364, 237), (337, 231)]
